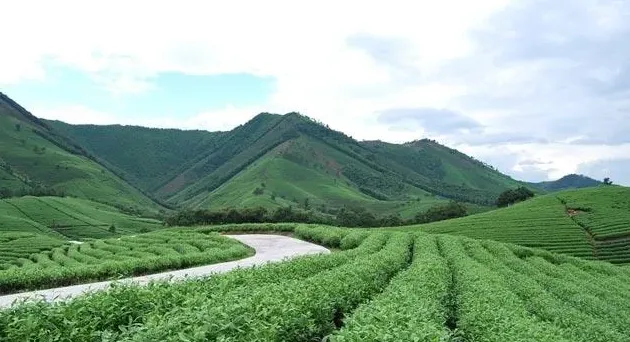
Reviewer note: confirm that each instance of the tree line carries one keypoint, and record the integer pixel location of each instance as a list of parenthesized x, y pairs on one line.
[(345, 217), (38, 191)]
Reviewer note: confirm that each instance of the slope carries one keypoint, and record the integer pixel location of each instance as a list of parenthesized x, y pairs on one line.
[(36, 158), (146, 157), (383, 172), (68, 218), (442, 170), (571, 181), (590, 223), (307, 173)]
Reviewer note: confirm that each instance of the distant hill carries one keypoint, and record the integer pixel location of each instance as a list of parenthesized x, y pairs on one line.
[(571, 181), (36, 158), (592, 223), (272, 160), (278, 160)]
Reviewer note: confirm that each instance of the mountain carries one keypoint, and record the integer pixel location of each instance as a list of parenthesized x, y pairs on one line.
[(37, 159), (146, 157), (278, 160), (571, 181)]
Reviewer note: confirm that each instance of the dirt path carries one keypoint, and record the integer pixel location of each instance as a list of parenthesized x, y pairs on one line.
[(269, 248)]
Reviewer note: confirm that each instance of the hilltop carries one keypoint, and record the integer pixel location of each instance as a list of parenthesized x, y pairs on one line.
[(571, 181)]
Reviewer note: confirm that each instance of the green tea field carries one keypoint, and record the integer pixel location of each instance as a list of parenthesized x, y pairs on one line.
[(380, 286), (592, 223), (71, 263), (69, 218)]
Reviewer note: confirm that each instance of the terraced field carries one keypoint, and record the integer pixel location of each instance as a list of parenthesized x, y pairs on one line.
[(58, 263), (605, 216), (592, 223), (69, 218), (382, 286), (17, 245)]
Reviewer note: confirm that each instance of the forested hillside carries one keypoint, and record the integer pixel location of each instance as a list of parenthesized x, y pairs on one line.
[(146, 157), (36, 159), (571, 181), (281, 160)]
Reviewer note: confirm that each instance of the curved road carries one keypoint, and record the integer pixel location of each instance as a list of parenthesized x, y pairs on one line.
[(269, 248)]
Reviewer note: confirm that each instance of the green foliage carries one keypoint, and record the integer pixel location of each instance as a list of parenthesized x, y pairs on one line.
[(603, 213), (512, 196), (589, 223), (442, 212), (127, 256), (571, 181), (39, 157), (607, 181), (454, 289), (68, 218), (415, 304)]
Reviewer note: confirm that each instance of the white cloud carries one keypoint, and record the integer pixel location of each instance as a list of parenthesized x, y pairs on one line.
[(540, 85)]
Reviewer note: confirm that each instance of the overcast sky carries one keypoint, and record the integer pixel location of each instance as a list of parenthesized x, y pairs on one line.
[(537, 88)]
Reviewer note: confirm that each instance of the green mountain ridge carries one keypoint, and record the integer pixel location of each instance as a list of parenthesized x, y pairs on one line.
[(34, 157), (272, 160), (572, 181), (295, 159)]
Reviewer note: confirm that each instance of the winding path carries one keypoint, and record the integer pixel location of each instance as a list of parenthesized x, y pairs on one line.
[(269, 248)]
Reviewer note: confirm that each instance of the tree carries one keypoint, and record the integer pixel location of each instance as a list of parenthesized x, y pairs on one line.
[(18, 127), (441, 212), (5, 192), (512, 196), (112, 229), (259, 191), (607, 181)]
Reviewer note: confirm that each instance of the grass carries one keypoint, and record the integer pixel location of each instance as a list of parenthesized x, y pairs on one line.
[(28, 159), (382, 286), (285, 179), (597, 228), (69, 218), (69, 264)]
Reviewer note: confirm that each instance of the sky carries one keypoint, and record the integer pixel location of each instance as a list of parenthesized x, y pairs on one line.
[(537, 88)]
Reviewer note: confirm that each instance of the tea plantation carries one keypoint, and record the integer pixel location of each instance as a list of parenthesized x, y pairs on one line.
[(380, 286), (72, 263), (592, 223)]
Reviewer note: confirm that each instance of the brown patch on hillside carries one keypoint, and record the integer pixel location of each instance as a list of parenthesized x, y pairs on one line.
[(573, 212)]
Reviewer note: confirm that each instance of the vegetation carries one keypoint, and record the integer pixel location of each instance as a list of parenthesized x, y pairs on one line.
[(69, 218), (603, 213), (345, 217), (152, 156), (300, 160), (394, 286), (38, 160), (571, 181), (114, 258), (510, 197), (589, 223)]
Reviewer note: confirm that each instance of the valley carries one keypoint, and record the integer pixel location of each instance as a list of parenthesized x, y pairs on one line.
[(419, 248)]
